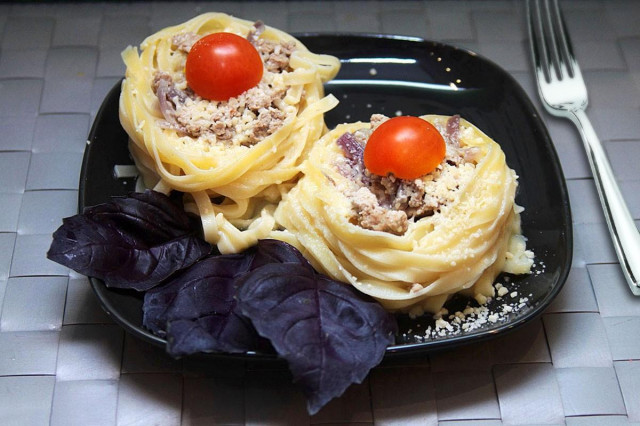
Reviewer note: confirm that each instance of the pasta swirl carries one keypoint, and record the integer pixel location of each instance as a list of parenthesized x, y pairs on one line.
[(461, 247), (232, 184)]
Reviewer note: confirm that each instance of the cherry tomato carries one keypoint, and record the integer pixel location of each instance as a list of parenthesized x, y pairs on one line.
[(223, 65), (408, 147)]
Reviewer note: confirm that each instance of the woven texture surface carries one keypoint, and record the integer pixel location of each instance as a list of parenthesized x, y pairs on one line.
[(64, 362)]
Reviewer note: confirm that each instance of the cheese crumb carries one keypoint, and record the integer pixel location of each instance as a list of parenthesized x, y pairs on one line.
[(473, 317)]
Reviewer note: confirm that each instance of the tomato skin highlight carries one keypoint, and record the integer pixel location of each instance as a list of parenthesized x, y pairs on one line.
[(223, 65), (409, 147)]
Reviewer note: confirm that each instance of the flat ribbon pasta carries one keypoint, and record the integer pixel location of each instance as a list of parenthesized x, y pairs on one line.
[(234, 188), (462, 247)]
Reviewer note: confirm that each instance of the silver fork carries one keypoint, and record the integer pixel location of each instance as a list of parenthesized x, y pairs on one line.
[(564, 94)]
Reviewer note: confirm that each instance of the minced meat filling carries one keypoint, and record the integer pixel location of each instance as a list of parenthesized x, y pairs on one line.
[(388, 204), (242, 120)]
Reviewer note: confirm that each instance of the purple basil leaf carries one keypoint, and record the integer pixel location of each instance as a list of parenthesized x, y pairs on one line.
[(329, 333), (148, 214), (196, 309), (210, 334), (275, 251), (109, 242), (213, 334)]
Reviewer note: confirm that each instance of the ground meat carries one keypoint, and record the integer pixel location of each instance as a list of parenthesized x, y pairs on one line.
[(168, 97), (268, 122), (262, 96), (242, 120), (221, 126), (388, 204), (275, 55), (370, 215), (253, 114), (376, 120), (184, 41)]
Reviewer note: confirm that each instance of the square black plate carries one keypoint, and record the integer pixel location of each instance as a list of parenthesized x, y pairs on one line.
[(393, 75)]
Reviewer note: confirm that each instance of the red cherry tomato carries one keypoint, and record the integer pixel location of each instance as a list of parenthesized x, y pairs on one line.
[(408, 147), (223, 65)]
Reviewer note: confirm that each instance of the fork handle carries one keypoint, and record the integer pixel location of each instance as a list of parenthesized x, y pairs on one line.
[(625, 235)]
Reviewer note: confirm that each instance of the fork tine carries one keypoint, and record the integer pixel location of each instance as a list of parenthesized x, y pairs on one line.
[(550, 41), (536, 34), (548, 25), (563, 41)]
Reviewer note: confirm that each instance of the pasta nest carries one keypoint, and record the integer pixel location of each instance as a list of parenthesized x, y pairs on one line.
[(461, 248), (234, 188)]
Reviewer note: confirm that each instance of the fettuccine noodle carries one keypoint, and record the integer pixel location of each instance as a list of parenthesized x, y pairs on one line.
[(245, 188), (233, 186), (461, 248)]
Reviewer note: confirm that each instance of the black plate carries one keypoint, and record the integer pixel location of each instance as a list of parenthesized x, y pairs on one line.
[(386, 74)]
